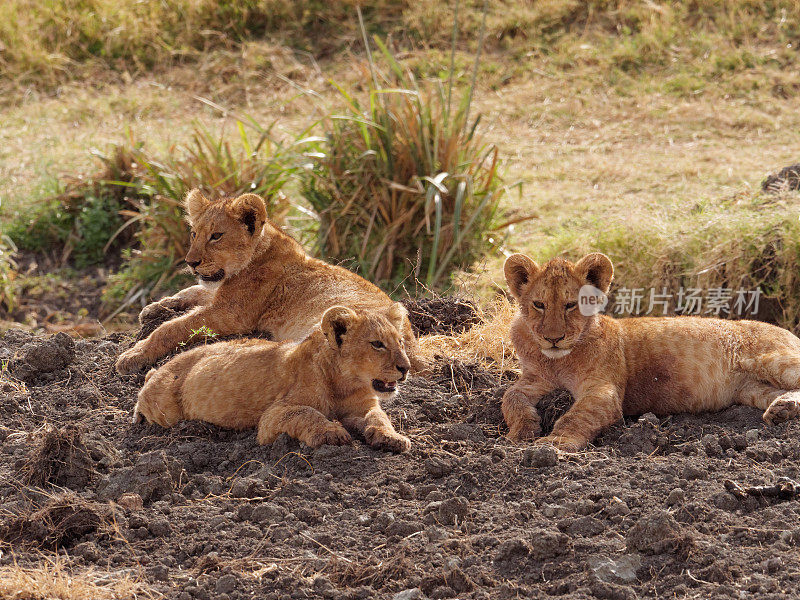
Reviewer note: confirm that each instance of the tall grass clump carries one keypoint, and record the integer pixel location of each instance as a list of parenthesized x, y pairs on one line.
[(8, 274), (131, 211), (405, 180), (748, 242)]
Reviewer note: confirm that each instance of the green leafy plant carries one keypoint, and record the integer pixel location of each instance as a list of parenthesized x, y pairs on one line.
[(8, 273), (405, 175)]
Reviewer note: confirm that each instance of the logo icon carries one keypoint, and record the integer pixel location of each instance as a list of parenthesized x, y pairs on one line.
[(591, 300)]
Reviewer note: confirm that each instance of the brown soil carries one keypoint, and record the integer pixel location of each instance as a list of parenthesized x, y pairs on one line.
[(200, 512)]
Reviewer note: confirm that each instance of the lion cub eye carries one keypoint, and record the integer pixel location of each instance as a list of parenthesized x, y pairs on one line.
[(571, 305), (215, 236), (538, 305), (378, 345), (192, 234)]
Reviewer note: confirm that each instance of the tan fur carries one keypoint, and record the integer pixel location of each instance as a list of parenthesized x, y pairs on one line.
[(298, 388), (633, 366), (255, 278)]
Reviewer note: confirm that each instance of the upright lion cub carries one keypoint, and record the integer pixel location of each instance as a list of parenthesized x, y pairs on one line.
[(253, 277), (340, 371), (632, 366)]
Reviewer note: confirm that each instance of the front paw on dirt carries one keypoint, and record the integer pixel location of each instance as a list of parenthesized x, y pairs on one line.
[(782, 409), (562, 443), (384, 440), (129, 362), (335, 436), (526, 431)]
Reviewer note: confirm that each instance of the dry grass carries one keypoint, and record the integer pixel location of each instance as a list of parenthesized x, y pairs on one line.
[(485, 343), (52, 579), (615, 154)]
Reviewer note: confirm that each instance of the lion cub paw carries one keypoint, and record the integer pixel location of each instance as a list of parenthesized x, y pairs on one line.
[(522, 431), (335, 435), (386, 440), (130, 361), (782, 409), (563, 443)]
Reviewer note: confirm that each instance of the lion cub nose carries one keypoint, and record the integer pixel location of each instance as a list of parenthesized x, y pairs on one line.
[(554, 341), (403, 370), (193, 263)]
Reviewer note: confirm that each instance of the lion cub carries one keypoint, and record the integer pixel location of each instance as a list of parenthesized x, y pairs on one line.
[(340, 371), (253, 277), (633, 366)]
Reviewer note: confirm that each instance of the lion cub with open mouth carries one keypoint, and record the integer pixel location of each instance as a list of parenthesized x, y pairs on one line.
[(340, 371), (633, 366)]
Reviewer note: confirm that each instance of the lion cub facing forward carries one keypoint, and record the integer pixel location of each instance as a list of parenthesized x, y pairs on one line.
[(633, 366), (340, 371)]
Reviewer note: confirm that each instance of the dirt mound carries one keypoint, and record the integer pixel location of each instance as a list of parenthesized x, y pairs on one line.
[(60, 458), (202, 512), (43, 356), (58, 524), (786, 179), (441, 315)]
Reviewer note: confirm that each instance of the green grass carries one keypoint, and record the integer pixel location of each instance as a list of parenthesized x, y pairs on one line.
[(48, 42), (133, 206), (746, 242), (404, 182)]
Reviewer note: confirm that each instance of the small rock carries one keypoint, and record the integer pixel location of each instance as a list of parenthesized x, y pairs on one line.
[(453, 510), (650, 418), (412, 594), (438, 466), (226, 584), (267, 513), (130, 501), (540, 456), (726, 501), (711, 445), (159, 527), (617, 508), (691, 471), (751, 436), (676, 496), (657, 533), (616, 570), (246, 487), (548, 543)]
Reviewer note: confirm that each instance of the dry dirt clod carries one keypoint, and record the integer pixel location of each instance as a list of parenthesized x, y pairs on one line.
[(540, 456), (43, 356), (453, 510), (61, 458), (658, 533)]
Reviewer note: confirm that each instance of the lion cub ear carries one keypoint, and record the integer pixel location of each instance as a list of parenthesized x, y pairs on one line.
[(195, 204), (250, 210), (596, 269), (519, 270), (335, 323), (397, 315)]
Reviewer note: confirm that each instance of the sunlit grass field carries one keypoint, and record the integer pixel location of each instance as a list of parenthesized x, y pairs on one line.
[(641, 129)]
